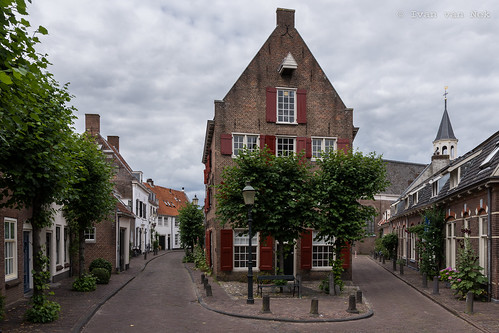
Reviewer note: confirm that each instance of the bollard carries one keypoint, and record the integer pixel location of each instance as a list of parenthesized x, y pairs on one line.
[(401, 269), (298, 278), (425, 280), (205, 282), (145, 255), (380, 257), (359, 296), (351, 305), (394, 263), (331, 285), (435, 286), (202, 278), (314, 306), (469, 302), (208, 290), (383, 260), (266, 304)]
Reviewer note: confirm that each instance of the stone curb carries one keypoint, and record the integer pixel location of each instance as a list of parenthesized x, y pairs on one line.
[(370, 313), (77, 328), (451, 310)]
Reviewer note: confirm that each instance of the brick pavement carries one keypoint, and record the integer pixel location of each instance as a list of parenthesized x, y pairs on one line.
[(77, 307), (485, 316)]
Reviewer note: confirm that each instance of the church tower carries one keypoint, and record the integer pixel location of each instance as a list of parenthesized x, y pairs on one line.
[(445, 142)]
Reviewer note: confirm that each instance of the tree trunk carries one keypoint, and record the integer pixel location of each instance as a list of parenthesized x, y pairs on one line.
[(81, 252), (37, 247), (281, 257)]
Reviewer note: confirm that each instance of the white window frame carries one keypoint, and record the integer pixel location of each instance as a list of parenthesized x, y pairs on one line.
[(455, 178), (322, 251), (90, 237), (58, 244), (316, 154), (10, 241), (240, 242), (245, 136), (277, 151), (451, 244), (294, 110), (482, 243)]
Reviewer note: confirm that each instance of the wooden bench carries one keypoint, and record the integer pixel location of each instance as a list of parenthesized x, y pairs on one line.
[(263, 282)]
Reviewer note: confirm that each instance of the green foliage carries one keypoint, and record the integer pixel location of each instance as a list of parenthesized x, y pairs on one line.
[(324, 285), (468, 276), (2, 307), (282, 200), (101, 263), (380, 248), (430, 243), (188, 257), (191, 226), (447, 275), (337, 272), (87, 282), (102, 275), (390, 243), (200, 259), (42, 310), (45, 312)]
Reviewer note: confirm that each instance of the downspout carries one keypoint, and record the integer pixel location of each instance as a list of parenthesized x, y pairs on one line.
[(118, 265), (489, 244)]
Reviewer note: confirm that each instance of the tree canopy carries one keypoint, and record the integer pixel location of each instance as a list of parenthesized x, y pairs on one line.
[(191, 225)]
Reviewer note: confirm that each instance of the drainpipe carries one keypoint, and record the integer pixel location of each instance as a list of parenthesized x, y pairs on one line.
[(489, 243)]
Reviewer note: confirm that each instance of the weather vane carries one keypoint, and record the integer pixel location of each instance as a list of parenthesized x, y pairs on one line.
[(446, 93)]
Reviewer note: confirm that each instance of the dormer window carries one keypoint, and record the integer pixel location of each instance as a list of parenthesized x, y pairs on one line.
[(286, 106), (486, 161)]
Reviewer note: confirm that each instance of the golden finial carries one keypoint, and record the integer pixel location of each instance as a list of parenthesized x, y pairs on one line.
[(445, 93)]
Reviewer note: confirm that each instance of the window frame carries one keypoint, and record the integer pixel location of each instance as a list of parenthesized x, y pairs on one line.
[(285, 138), (322, 245), (244, 143), (483, 243), (295, 111), (90, 237), (316, 155), (12, 241), (254, 244)]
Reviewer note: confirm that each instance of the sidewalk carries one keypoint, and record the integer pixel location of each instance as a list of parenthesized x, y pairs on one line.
[(76, 307), (485, 313)]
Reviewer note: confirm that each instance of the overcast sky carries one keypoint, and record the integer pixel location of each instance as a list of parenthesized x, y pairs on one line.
[(152, 70)]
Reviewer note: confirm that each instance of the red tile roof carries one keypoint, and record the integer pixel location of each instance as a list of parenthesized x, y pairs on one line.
[(170, 201)]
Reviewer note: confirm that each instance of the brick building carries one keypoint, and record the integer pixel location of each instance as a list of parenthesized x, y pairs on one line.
[(283, 100), (466, 189)]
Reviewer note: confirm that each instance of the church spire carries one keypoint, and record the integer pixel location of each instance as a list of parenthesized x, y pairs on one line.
[(445, 142)]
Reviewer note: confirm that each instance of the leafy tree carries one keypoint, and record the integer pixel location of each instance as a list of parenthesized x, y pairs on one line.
[(390, 243), (468, 276), (90, 199), (35, 128), (430, 244), (341, 181), (191, 225), (282, 200)]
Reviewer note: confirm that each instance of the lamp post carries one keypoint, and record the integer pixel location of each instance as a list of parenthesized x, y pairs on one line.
[(195, 200), (249, 200)]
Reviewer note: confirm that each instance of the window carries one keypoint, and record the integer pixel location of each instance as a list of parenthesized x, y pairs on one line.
[(241, 249), (241, 141), (454, 178), (176, 222), (57, 245), (322, 252), (482, 246), (285, 146), (66, 244), (415, 197), (437, 185), (489, 158), (286, 106), (320, 145), (90, 235), (176, 239), (412, 246), (370, 224), (451, 244), (10, 237)]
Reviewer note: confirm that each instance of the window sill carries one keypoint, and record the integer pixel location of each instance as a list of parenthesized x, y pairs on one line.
[(245, 269), (12, 283), (321, 269), (90, 241), (278, 123)]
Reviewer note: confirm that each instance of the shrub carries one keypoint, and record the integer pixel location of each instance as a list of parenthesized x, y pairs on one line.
[(45, 312), (101, 263), (468, 276), (102, 275), (87, 282)]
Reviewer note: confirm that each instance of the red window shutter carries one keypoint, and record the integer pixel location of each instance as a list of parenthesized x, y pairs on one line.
[(301, 106), (270, 142), (226, 144), (308, 150), (207, 241), (346, 255), (271, 113), (226, 240), (306, 250), (301, 144), (343, 144), (266, 254)]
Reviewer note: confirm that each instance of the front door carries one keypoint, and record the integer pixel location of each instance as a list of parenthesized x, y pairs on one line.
[(122, 249), (27, 270), (289, 259)]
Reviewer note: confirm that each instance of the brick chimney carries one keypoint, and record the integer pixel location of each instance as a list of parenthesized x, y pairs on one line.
[(285, 17), (92, 124), (114, 141)]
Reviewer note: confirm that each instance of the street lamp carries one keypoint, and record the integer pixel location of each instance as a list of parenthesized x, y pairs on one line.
[(249, 200), (195, 200)]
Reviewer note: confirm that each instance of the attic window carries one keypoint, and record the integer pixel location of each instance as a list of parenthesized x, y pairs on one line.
[(288, 65), (489, 158)]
